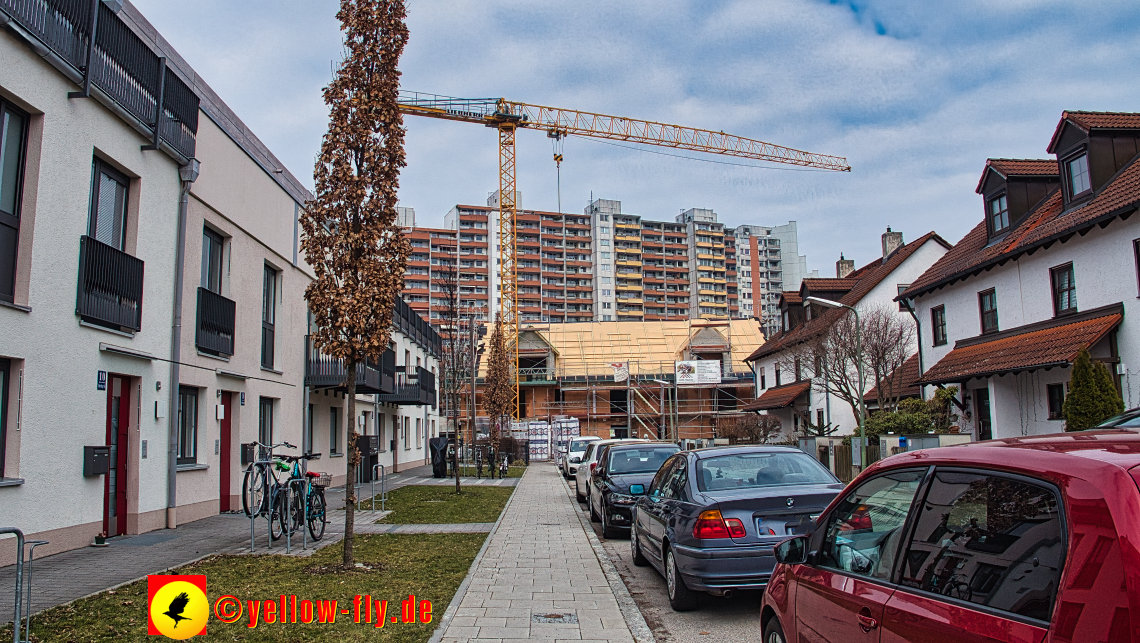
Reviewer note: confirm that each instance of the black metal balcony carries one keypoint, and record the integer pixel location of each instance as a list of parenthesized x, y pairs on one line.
[(122, 66), (216, 316), (324, 372), (110, 286), (414, 385)]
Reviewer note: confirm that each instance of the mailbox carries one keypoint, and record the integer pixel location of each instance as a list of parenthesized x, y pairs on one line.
[(96, 461), (248, 453), (367, 444)]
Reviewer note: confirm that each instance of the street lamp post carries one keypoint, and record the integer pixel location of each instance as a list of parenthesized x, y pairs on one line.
[(827, 303)]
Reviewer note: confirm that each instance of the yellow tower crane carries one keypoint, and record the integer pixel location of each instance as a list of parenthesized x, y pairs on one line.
[(508, 116)]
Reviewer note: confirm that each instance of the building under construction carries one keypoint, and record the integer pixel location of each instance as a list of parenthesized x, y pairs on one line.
[(671, 380)]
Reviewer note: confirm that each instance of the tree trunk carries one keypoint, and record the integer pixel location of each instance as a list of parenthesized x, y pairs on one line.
[(455, 458), (350, 462)]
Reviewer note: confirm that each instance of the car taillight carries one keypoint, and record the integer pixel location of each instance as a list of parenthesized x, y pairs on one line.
[(860, 520), (592, 465), (710, 524), (735, 527)]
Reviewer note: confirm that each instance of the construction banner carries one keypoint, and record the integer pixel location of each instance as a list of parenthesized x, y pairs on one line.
[(701, 371), (621, 371)]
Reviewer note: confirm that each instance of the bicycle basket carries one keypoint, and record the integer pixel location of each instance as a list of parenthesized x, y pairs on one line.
[(322, 480)]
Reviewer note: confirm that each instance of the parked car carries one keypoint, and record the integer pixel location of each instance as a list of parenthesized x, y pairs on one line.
[(585, 465), (576, 449), (710, 517), (624, 472), (1020, 539), (1128, 419)]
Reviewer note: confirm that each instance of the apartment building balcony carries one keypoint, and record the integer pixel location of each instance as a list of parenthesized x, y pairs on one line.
[(373, 376), (628, 263), (110, 286), (622, 235), (215, 323), (628, 226), (413, 385)]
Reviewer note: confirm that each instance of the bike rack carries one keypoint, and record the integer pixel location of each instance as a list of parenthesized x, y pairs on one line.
[(23, 599), (383, 486)]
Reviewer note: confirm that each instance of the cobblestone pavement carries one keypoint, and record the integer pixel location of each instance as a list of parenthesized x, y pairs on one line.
[(538, 576), (77, 573)]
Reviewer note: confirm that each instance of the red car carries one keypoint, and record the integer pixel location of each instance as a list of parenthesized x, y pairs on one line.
[(1024, 540)]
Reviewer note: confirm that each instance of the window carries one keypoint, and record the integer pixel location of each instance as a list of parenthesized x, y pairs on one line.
[(603, 217), (268, 315), (987, 304), (763, 379), (863, 533), (187, 425), (603, 242), (607, 317), (404, 434), (13, 129), (604, 230), (777, 374), (308, 446), (212, 244), (1064, 289), (1078, 171), (988, 540), (605, 255), (902, 304), (108, 222), (265, 420), (819, 417), (938, 324), (605, 280), (5, 375), (334, 431), (1056, 396), (999, 215), (419, 431)]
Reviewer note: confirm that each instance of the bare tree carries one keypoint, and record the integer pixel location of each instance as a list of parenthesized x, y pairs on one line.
[(752, 428), (445, 282), (498, 392), (350, 239), (888, 342)]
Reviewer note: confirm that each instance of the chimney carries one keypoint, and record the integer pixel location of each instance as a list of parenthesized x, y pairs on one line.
[(844, 267), (891, 241)]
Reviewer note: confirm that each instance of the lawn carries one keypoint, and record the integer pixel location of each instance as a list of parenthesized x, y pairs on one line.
[(430, 566), (431, 504)]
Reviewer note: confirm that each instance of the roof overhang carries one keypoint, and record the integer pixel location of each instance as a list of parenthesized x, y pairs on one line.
[(779, 397), (1043, 345)]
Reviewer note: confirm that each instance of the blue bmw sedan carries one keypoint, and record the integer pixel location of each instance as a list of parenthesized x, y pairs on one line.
[(710, 518)]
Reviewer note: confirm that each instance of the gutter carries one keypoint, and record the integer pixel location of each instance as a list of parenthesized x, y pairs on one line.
[(918, 325), (188, 173)]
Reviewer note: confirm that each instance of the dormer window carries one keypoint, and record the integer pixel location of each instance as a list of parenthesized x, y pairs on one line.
[(1078, 172), (999, 215)]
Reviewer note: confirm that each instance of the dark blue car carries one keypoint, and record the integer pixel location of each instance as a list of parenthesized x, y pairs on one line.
[(711, 517)]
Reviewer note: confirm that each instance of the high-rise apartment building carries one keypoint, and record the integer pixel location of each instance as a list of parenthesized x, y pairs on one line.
[(604, 265)]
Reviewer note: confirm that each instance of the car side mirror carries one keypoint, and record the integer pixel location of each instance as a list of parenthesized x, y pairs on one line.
[(575, 460), (792, 551), (637, 489)]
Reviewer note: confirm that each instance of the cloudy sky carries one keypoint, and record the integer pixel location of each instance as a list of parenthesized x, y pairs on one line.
[(916, 95)]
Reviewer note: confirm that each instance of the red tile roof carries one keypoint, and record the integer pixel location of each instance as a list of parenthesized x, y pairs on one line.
[(779, 397), (1019, 167), (1089, 121), (792, 297), (906, 385), (1033, 348), (829, 284), (1043, 225), (869, 276)]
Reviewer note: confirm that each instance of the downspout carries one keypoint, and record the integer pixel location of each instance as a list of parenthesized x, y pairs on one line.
[(917, 325), (188, 173)]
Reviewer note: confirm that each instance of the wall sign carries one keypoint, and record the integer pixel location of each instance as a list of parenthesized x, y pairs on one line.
[(243, 398), (101, 382)]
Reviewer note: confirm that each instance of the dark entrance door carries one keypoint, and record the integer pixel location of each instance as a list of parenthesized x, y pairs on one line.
[(224, 462), (982, 410), (115, 482)]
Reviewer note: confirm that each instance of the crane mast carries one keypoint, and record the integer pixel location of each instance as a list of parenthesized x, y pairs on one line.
[(509, 116)]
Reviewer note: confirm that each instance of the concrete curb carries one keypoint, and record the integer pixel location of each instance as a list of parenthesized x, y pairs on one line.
[(460, 593), (629, 610)]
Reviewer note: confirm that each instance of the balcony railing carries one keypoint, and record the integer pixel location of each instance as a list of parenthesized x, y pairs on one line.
[(110, 286), (414, 385), (216, 315), (322, 371), (123, 67)]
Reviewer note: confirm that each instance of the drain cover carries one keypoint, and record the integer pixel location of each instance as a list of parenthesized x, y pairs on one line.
[(555, 617)]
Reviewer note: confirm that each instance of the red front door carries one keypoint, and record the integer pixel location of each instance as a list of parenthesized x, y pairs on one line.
[(115, 482), (224, 456)]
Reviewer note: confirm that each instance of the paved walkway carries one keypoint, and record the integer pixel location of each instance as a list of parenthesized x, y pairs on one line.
[(77, 573), (538, 577)]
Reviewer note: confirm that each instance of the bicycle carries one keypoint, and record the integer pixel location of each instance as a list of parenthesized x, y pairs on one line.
[(256, 487), (304, 509)]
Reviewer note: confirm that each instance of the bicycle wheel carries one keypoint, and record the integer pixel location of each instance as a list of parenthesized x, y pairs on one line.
[(277, 524), (253, 488), (297, 515), (317, 517)]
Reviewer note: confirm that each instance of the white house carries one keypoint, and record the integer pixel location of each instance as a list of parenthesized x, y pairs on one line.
[(151, 292), (797, 397), (1052, 268)]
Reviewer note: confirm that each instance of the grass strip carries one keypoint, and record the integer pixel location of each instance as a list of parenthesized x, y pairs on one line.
[(433, 504), (430, 566)]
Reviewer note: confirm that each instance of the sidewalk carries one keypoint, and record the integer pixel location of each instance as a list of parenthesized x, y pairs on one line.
[(74, 574), (538, 576)]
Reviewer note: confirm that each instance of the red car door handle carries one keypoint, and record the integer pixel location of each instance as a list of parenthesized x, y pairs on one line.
[(866, 621)]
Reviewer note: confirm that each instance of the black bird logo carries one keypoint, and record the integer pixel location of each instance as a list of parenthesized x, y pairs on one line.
[(177, 606)]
